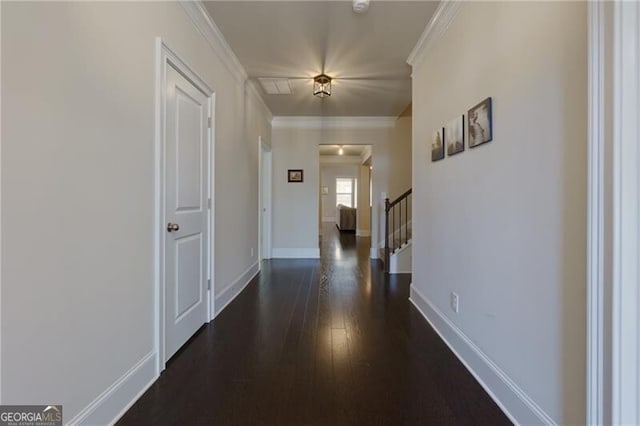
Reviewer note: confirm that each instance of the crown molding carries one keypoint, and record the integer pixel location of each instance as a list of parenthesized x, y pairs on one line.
[(437, 26), (252, 89), (210, 31), (320, 122), (203, 22)]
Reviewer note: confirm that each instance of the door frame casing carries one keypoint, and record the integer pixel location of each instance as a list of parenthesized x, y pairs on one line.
[(167, 57), (613, 233), (265, 164)]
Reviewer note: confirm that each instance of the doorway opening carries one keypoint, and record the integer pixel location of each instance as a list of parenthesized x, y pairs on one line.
[(344, 196), (265, 188)]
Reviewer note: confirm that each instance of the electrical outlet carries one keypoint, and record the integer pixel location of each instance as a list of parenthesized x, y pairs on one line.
[(455, 301), (251, 251)]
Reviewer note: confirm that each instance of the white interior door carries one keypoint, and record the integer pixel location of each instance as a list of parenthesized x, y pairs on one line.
[(186, 209)]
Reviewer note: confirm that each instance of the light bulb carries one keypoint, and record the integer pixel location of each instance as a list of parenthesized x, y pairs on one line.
[(340, 151)]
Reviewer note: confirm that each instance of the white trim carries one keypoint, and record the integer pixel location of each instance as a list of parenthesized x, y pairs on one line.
[(366, 154), (264, 177), (165, 56), (363, 233), (393, 269), (613, 297), (202, 21), (205, 25), (159, 237), (513, 401), (595, 219), (229, 293), (320, 122), (1, 393), (254, 90), (625, 339), (374, 252), (212, 218), (296, 253), (437, 26), (111, 404)]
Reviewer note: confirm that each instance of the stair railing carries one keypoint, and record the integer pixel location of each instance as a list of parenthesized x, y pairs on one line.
[(393, 230)]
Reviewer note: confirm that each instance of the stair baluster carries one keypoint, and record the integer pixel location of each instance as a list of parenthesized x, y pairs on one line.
[(394, 232)]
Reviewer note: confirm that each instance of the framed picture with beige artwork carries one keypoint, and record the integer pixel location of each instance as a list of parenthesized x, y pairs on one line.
[(454, 135), (437, 145), (479, 122), (295, 175)]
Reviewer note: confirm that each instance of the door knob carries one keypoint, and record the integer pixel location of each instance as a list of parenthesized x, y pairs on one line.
[(171, 227)]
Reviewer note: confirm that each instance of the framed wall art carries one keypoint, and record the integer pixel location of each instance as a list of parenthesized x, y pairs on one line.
[(437, 145), (454, 136), (479, 123), (295, 175)]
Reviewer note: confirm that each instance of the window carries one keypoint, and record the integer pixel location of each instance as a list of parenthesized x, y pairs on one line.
[(347, 192)]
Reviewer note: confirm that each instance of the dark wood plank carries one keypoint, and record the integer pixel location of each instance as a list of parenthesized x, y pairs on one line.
[(318, 342)]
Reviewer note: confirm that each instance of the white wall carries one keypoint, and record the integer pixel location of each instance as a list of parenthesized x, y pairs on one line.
[(295, 207), (504, 224), (328, 175), (78, 98), (364, 209), (400, 164)]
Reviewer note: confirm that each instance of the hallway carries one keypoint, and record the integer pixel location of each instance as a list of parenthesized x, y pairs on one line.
[(329, 342)]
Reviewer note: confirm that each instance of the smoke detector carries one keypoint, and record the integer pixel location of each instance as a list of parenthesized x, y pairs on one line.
[(360, 6)]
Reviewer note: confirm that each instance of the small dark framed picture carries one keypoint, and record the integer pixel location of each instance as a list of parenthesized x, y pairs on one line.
[(437, 145), (295, 175), (454, 135), (480, 123)]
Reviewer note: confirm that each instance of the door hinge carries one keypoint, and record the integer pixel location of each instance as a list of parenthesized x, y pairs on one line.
[(209, 122), (209, 203), (209, 284)]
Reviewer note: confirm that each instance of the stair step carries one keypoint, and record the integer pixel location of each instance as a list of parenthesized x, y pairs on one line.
[(397, 249)]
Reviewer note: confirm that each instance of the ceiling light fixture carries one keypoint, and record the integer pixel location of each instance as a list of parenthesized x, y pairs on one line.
[(360, 6), (340, 151), (322, 86)]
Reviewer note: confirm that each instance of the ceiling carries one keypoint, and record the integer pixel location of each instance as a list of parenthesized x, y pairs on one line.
[(365, 54), (353, 150)]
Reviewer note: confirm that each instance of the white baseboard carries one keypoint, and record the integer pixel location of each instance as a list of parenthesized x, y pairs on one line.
[(399, 270), (109, 406), (295, 253), (513, 401), (363, 233), (374, 253), (231, 291)]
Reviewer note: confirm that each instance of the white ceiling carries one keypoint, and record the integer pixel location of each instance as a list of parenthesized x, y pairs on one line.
[(365, 54)]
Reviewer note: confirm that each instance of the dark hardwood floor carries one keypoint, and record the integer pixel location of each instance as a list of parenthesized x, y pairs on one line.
[(318, 342)]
